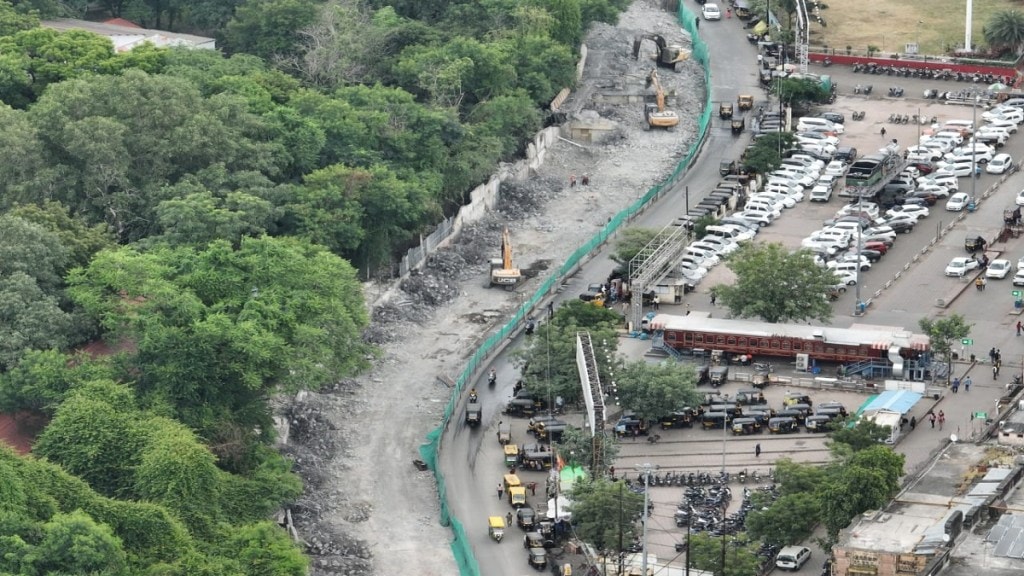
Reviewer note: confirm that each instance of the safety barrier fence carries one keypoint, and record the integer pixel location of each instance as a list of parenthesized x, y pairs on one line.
[(461, 544)]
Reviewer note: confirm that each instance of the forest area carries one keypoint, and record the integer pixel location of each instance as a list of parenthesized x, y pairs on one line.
[(205, 218)]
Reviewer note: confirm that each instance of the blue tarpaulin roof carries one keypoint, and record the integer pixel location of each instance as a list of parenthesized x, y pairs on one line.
[(895, 401)]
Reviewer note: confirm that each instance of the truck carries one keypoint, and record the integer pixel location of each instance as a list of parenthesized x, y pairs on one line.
[(869, 174)]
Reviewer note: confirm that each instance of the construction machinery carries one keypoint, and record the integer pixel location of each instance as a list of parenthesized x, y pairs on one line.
[(502, 272), (669, 56), (655, 115)]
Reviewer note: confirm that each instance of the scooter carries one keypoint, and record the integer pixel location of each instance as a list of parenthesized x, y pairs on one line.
[(492, 378)]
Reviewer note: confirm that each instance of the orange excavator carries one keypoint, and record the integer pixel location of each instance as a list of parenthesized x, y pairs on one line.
[(655, 115), (502, 272)]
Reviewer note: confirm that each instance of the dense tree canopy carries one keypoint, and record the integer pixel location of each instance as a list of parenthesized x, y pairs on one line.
[(776, 286), (198, 220)]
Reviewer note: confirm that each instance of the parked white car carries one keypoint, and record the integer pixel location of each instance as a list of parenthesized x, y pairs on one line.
[(711, 12), (960, 266), (958, 201), (999, 164)]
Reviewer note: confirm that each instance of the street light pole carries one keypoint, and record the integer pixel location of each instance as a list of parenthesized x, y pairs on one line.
[(646, 469), (974, 150)]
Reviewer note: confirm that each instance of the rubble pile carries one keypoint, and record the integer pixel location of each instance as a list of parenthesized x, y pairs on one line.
[(519, 200)]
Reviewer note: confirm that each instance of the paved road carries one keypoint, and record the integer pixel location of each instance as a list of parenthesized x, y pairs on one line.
[(472, 492)]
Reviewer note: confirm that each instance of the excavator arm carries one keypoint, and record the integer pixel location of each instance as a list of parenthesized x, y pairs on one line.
[(506, 251)]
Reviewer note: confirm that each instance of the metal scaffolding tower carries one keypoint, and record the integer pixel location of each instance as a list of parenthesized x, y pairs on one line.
[(593, 394), (803, 23), (652, 263)]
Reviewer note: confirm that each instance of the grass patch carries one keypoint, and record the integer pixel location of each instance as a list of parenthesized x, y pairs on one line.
[(891, 24)]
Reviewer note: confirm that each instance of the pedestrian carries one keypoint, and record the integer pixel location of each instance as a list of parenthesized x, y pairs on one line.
[(931, 419), (696, 23), (999, 356), (508, 518), (586, 180), (757, 450), (714, 297), (956, 385), (687, 309), (913, 422), (992, 355), (942, 419), (533, 485), (551, 309), (995, 371), (841, 371), (883, 132), (657, 302), (611, 471), (572, 181), (636, 434), (967, 384), (1019, 326), (728, 13), (979, 284), (501, 491)]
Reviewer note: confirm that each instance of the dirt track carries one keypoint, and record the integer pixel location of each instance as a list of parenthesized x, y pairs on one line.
[(368, 510)]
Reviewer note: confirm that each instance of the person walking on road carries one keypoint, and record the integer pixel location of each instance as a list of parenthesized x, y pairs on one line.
[(1019, 326), (883, 132), (757, 450), (956, 385), (913, 422), (967, 384), (508, 518), (931, 419), (992, 355), (501, 491), (942, 419), (995, 371)]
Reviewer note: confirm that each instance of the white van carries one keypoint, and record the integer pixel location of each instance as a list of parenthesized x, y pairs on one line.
[(792, 558), (808, 123)]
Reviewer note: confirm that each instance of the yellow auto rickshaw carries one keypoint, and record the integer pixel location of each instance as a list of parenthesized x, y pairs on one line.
[(511, 455), (496, 527)]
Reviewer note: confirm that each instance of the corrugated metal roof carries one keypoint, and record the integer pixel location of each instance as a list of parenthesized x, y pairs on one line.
[(900, 401)]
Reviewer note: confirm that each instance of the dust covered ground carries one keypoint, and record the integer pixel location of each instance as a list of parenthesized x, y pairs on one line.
[(366, 509)]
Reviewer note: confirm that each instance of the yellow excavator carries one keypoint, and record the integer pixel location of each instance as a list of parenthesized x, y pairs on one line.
[(502, 272), (655, 115), (669, 56)]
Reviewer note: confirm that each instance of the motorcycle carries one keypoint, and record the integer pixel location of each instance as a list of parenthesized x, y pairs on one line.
[(530, 326), (492, 378), (743, 477)]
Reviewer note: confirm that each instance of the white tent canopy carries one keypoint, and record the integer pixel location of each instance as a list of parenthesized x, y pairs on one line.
[(564, 508)]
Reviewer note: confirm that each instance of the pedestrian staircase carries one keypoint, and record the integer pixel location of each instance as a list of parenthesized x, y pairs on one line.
[(658, 343), (869, 368)]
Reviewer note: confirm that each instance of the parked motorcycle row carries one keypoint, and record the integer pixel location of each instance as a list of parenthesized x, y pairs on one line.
[(704, 510), (928, 74), (912, 119), (694, 479)]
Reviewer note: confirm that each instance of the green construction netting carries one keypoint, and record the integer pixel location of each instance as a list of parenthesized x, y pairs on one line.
[(461, 545)]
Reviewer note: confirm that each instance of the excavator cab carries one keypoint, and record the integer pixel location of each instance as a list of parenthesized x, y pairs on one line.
[(669, 56), (502, 272)]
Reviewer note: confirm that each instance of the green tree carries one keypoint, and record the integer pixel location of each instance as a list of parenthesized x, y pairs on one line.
[(458, 74), (1004, 30), (264, 549), (49, 56), (76, 544), (80, 240), (630, 242), (42, 378), (740, 555), (849, 492), (543, 66), (655, 390), (176, 471), (513, 118), (201, 217), (548, 360), (96, 436), (796, 478), (880, 459), (856, 435), (800, 93), (577, 446), (31, 250), (220, 328), (568, 28), (30, 319), (361, 214), (775, 285), (945, 333), (766, 155), (790, 518), (13, 21), (269, 28), (605, 513)]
